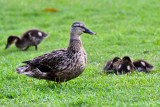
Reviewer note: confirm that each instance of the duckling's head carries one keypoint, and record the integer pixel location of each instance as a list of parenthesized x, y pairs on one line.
[(79, 28), (11, 39), (116, 59), (127, 58), (116, 62), (109, 64)]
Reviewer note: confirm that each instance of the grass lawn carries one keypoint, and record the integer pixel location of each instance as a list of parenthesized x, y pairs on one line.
[(123, 27)]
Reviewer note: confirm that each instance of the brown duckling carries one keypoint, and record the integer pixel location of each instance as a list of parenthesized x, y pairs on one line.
[(60, 65), (141, 65), (30, 38), (123, 66), (108, 68)]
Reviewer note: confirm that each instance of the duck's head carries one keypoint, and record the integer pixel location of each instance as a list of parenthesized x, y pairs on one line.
[(109, 64), (11, 39), (79, 28), (116, 59), (127, 58)]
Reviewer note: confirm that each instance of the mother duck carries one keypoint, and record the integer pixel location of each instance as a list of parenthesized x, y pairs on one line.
[(63, 64)]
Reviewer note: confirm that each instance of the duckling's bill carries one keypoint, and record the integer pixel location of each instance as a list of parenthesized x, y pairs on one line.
[(7, 46)]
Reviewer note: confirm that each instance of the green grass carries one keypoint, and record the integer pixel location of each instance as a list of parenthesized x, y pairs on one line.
[(123, 27)]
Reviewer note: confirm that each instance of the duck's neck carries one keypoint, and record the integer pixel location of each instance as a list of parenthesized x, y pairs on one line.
[(19, 42), (15, 38), (75, 44)]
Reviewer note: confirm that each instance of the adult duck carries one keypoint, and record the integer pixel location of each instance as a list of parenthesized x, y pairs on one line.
[(60, 65)]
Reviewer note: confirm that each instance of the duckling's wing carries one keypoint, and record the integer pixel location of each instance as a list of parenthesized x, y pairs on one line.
[(50, 61), (108, 66)]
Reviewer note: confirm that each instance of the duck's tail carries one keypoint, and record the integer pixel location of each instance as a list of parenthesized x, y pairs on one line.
[(31, 72)]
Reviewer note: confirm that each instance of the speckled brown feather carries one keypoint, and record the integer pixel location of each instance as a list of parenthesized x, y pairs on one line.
[(62, 62)]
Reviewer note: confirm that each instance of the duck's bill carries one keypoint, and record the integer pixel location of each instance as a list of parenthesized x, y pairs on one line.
[(89, 32), (7, 46)]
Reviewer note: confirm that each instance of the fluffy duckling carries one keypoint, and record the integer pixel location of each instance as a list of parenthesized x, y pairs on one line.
[(123, 66), (108, 68), (30, 38), (60, 65), (141, 65)]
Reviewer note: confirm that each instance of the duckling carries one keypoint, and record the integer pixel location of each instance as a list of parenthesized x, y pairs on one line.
[(123, 66), (60, 65), (141, 65), (30, 38), (108, 68)]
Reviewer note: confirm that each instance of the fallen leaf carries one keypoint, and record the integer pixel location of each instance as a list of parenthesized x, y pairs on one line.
[(50, 10)]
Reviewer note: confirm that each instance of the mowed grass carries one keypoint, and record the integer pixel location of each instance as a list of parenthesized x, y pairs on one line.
[(123, 27)]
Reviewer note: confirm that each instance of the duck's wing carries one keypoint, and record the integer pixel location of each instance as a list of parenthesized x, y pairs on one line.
[(147, 64), (49, 62), (31, 35)]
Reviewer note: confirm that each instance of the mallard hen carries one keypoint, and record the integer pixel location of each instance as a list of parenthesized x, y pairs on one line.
[(141, 65), (108, 68), (60, 65), (30, 38), (123, 66)]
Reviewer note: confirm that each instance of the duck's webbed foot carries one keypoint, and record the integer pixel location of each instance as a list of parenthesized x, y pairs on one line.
[(59, 83)]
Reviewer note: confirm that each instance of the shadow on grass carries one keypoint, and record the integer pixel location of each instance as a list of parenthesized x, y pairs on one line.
[(47, 86), (80, 103), (10, 51), (131, 73), (9, 78), (7, 96)]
